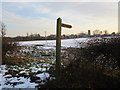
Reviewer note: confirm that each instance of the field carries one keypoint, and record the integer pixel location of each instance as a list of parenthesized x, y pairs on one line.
[(41, 56), (64, 42)]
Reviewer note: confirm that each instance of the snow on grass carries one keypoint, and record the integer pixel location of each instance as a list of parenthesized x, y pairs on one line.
[(31, 69), (34, 67), (22, 83), (52, 43), (43, 75)]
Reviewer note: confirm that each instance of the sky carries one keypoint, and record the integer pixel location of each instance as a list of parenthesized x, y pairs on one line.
[(40, 17)]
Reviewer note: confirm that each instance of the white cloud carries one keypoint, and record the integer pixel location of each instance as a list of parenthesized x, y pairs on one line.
[(17, 25), (0, 11), (82, 16), (95, 16), (42, 9), (60, 0)]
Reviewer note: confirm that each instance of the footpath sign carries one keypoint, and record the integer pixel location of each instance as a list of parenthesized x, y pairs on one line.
[(58, 45)]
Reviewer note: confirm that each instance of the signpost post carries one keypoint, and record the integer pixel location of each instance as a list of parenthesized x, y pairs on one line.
[(58, 45)]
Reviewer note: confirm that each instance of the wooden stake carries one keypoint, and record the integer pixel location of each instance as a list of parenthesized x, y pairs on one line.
[(58, 47)]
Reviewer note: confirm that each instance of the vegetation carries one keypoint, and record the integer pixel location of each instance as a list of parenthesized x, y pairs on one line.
[(95, 65), (105, 52), (96, 33), (8, 45), (30, 72)]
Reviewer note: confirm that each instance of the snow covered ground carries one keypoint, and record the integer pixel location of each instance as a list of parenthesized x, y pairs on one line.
[(10, 79), (52, 43)]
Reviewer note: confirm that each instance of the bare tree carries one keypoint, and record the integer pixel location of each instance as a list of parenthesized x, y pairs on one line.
[(8, 45), (97, 32), (3, 30), (105, 32)]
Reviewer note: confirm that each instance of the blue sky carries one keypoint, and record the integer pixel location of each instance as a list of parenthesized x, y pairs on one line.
[(38, 17)]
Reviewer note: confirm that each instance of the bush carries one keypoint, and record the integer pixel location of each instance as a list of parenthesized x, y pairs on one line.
[(8, 46), (105, 51), (94, 66)]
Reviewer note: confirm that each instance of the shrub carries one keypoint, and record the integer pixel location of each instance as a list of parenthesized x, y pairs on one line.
[(8, 46), (94, 66), (105, 51)]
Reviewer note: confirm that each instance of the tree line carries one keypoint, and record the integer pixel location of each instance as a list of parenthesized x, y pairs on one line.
[(95, 33)]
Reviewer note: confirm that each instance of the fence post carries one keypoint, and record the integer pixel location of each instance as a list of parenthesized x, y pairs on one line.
[(58, 47)]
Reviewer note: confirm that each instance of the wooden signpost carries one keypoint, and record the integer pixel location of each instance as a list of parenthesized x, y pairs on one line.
[(58, 45)]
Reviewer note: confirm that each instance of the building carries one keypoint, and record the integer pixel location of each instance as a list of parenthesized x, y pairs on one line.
[(89, 32)]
